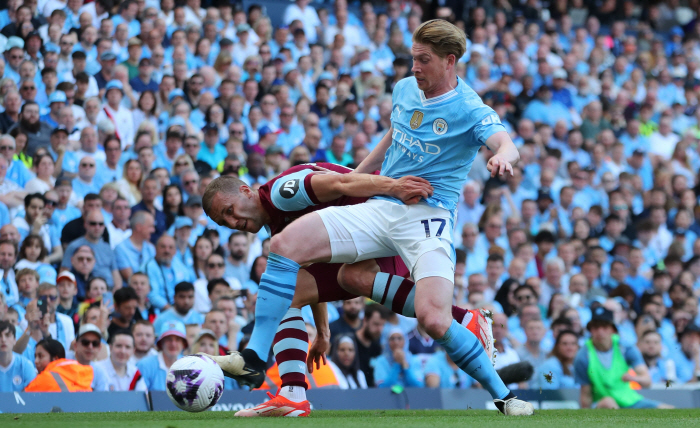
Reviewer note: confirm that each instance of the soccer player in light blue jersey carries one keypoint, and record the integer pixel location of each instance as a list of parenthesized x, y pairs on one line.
[(438, 125)]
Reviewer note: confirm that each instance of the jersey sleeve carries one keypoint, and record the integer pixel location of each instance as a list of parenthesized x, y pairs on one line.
[(293, 192), (483, 121)]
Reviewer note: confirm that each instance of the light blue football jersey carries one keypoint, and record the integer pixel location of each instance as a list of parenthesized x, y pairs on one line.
[(437, 138)]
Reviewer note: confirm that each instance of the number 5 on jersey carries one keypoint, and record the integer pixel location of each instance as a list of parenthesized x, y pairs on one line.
[(426, 225)]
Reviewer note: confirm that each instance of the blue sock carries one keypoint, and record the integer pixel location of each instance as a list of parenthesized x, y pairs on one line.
[(274, 298), (466, 351)]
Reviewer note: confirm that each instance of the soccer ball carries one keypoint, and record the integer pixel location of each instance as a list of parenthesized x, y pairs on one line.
[(195, 383)]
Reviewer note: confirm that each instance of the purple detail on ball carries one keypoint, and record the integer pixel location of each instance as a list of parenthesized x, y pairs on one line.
[(189, 377), (217, 392)]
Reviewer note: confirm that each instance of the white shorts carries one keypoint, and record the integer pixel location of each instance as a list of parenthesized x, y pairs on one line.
[(379, 228)]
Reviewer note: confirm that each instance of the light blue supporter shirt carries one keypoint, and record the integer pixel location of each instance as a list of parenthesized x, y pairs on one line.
[(437, 138), (164, 279), (16, 376), (129, 257)]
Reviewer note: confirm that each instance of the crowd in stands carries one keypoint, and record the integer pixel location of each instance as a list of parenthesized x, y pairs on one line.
[(116, 115)]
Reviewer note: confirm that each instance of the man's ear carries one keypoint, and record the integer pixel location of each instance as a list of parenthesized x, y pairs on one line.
[(245, 191)]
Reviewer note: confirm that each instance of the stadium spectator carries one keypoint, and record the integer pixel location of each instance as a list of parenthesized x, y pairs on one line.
[(8, 257), (105, 261), (214, 269), (236, 262), (133, 251), (150, 188), (182, 309), (15, 371), (120, 371), (350, 320), (347, 361), (75, 228), (367, 339), (172, 340), (125, 307), (396, 365), (165, 270), (87, 346), (602, 368), (144, 340), (557, 371)]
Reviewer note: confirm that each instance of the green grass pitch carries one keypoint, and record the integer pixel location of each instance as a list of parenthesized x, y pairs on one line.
[(363, 419)]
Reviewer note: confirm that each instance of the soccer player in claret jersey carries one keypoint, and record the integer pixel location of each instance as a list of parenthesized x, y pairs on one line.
[(438, 126), (277, 203)]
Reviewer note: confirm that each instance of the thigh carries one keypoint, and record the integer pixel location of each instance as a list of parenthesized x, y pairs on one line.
[(421, 230), (304, 241), (326, 286), (357, 232)]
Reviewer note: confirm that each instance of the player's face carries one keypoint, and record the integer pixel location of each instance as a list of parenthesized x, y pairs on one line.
[(237, 211), (429, 69)]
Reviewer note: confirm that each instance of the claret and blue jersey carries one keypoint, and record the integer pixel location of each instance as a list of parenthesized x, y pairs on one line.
[(437, 138)]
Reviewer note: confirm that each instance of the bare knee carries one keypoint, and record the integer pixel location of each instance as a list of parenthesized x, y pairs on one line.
[(607, 403), (435, 323)]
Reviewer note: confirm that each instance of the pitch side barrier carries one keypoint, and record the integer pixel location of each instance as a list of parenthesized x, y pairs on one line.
[(321, 399)]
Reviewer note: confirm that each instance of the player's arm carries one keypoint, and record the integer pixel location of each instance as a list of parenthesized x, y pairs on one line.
[(328, 187), (373, 161), (505, 154), (321, 345)]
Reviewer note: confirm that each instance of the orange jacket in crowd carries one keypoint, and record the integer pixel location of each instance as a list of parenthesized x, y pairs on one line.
[(320, 378), (63, 376)]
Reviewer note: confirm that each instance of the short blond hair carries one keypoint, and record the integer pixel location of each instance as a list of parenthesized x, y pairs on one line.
[(443, 38)]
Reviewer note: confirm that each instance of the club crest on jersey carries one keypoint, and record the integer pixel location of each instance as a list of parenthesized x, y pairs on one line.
[(416, 119), (439, 126), (289, 189)]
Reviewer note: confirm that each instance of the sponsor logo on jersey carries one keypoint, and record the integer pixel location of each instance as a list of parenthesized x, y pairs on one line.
[(406, 140), (439, 126), (416, 119), (289, 188)]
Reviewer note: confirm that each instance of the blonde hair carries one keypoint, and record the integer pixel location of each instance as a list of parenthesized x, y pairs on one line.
[(443, 38)]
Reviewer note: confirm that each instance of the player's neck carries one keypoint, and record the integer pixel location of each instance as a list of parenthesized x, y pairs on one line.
[(446, 86), (265, 216)]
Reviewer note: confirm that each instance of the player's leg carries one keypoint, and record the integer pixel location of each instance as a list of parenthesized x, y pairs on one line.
[(288, 251), (385, 281), (290, 346), (434, 292), (333, 234)]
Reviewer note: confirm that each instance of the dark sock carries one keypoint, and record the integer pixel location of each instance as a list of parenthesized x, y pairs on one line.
[(501, 404)]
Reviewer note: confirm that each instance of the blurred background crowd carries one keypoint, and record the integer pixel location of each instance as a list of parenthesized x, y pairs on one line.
[(117, 114)]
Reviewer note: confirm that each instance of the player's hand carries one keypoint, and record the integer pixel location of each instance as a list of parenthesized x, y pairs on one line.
[(498, 166), (317, 353), (33, 315), (628, 378), (410, 190)]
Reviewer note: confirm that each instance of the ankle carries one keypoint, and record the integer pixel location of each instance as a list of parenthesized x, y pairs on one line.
[(296, 394)]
